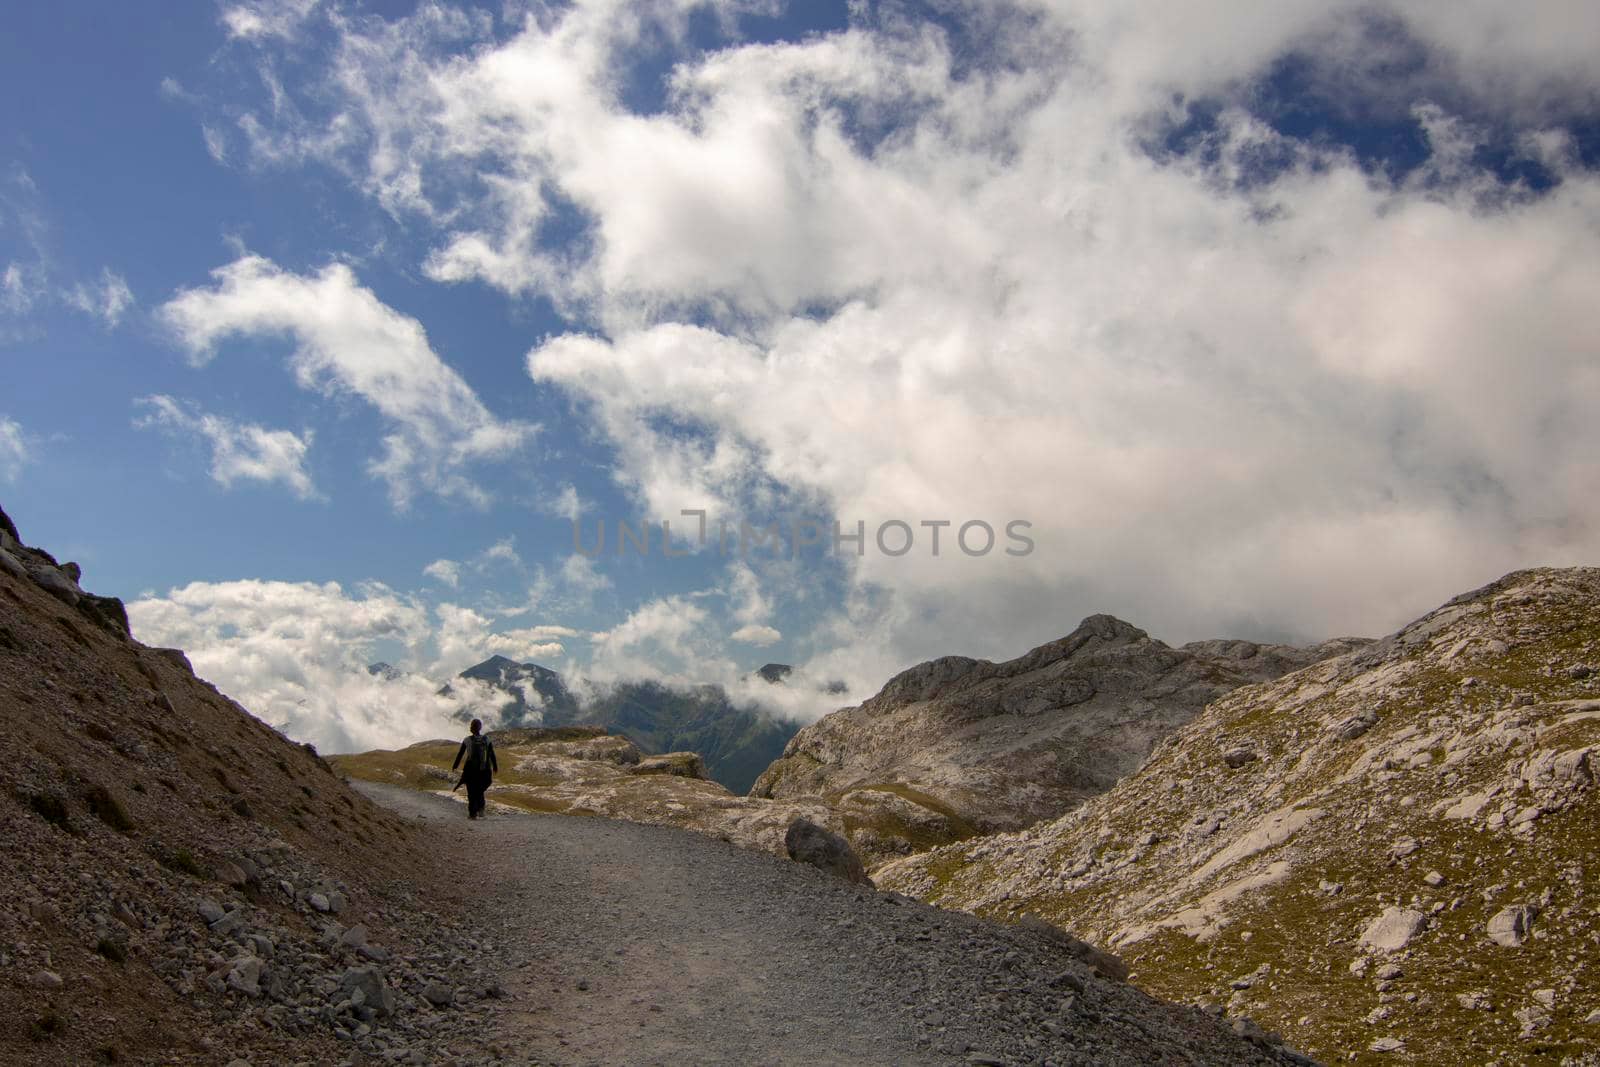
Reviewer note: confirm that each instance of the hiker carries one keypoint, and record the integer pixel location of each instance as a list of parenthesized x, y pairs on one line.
[(480, 769)]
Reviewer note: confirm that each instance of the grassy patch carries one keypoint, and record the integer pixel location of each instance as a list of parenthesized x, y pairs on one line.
[(533, 802), (407, 767)]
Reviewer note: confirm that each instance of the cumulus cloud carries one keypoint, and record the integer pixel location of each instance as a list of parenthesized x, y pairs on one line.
[(106, 301), (566, 503), (503, 551), (1237, 383), (296, 653), (465, 636), (447, 572), (238, 450), (756, 634), (348, 341), (14, 450)]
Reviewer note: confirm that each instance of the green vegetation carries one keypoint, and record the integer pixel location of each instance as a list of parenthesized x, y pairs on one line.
[(107, 808), (886, 822)]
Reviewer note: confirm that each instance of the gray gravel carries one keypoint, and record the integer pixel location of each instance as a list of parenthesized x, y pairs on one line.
[(621, 943)]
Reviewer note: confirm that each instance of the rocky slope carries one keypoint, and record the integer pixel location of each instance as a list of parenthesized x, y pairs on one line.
[(737, 743), (1388, 856), (958, 747), (182, 883), (582, 770)]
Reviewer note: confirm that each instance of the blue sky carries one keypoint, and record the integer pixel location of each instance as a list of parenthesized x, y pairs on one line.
[(1268, 321)]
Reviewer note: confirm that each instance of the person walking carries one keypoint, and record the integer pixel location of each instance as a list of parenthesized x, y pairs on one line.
[(478, 752)]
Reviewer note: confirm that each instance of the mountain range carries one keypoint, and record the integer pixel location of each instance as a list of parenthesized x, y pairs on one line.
[(1388, 855)]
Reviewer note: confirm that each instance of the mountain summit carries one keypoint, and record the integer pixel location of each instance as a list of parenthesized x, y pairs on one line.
[(957, 746)]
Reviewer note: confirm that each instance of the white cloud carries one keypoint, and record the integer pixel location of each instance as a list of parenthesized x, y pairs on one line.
[(14, 450), (107, 302), (465, 636), (238, 450), (502, 551), (667, 639), (295, 654), (566, 504), (756, 634), (580, 576), (746, 602), (1312, 405), (266, 18), (349, 341), (447, 572), (21, 285)]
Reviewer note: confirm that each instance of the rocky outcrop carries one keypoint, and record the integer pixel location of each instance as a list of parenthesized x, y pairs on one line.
[(60, 580), (1406, 862), (957, 747), (680, 764)]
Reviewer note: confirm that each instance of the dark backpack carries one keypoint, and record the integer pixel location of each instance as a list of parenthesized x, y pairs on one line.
[(477, 754)]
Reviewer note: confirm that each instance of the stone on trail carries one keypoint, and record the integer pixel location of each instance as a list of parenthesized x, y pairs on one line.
[(806, 842)]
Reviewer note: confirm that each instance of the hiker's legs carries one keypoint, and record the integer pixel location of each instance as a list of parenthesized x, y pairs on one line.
[(475, 793)]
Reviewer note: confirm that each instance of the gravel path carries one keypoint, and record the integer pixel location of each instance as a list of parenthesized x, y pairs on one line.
[(624, 943)]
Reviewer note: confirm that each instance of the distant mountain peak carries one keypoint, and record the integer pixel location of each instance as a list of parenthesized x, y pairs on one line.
[(775, 672)]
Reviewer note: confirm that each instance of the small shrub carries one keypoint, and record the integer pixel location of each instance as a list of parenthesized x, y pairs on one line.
[(183, 861), (108, 809), (112, 949), (47, 1026), (100, 733), (53, 810), (241, 808)]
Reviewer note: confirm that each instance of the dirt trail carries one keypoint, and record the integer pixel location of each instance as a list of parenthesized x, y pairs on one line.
[(620, 943)]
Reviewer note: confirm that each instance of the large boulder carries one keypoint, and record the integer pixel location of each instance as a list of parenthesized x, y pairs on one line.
[(1510, 926), (57, 584), (375, 992), (806, 842), (1391, 931)]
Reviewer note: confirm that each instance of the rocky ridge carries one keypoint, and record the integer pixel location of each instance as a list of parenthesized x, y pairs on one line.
[(959, 747), (1389, 856)]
